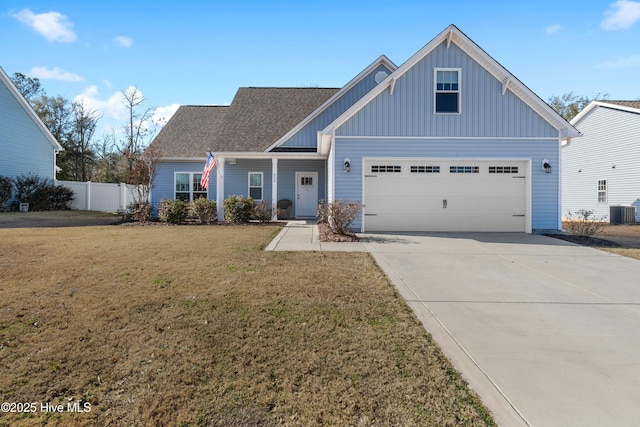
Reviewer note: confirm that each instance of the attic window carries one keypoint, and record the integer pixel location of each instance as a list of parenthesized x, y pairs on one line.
[(447, 91)]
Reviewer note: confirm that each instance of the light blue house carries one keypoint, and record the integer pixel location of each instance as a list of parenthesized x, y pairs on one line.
[(448, 141), (26, 144), (600, 170)]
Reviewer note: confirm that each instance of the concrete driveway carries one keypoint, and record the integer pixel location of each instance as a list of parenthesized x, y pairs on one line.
[(547, 333)]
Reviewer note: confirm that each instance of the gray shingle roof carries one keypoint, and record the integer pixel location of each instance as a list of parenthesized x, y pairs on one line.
[(256, 118), (630, 104), (190, 130)]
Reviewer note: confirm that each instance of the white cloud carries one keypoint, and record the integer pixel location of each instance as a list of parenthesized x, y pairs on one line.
[(115, 113), (43, 73), (631, 61), (111, 108), (54, 26), (552, 29), (162, 114), (621, 15), (123, 41)]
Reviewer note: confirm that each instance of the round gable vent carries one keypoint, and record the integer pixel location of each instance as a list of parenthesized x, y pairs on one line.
[(380, 76)]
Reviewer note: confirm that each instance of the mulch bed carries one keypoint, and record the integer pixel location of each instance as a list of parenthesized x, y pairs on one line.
[(326, 235), (585, 240)]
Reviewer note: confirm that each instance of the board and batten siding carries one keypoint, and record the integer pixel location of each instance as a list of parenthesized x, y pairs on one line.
[(611, 137), (485, 111), (308, 135), (25, 148), (545, 187)]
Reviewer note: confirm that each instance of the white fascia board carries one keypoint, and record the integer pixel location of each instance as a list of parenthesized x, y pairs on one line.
[(249, 155), (25, 105), (452, 33), (593, 104), (382, 60)]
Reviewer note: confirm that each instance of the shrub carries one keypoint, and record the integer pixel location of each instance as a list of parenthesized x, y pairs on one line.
[(583, 223), (339, 215), (41, 193), (140, 211), (6, 189), (262, 211), (173, 211), (205, 210), (60, 197), (237, 209)]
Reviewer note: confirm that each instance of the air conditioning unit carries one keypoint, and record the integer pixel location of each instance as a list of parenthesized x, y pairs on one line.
[(622, 214)]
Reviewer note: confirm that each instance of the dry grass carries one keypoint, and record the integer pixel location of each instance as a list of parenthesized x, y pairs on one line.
[(626, 236), (199, 326)]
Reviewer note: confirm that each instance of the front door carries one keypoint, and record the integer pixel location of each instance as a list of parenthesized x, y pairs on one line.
[(306, 194)]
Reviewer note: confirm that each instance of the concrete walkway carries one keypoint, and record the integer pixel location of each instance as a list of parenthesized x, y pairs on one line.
[(546, 332), (301, 235)]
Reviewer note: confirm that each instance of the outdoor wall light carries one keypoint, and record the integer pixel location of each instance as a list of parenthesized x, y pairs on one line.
[(347, 165), (546, 165)]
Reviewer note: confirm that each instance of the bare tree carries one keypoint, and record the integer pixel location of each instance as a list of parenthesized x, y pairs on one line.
[(139, 127), (83, 126), (140, 161)]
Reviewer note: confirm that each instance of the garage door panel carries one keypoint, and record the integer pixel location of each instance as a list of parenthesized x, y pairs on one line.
[(445, 201)]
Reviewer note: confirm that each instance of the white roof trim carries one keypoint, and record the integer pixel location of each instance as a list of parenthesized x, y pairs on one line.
[(593, 104), (25, 105), (248, 155), (382, 60), (452, 33)]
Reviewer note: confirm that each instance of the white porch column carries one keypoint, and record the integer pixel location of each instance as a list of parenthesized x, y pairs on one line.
[(220, 187), (274, 189)]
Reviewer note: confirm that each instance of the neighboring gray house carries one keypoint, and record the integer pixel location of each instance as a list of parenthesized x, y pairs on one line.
[(448, 141), (602, 169), (26, 144)]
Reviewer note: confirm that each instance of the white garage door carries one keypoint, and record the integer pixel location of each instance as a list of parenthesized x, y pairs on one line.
[(451, 195)]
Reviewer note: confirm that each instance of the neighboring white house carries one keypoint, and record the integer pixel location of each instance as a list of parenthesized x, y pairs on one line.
[(26, 145), (602, 169)]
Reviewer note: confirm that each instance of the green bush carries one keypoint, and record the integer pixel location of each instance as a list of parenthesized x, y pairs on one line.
[(262, 211), (205, 210), (6, 189), (173, 211), (339, 215), (41, 193), (60, 197), (237, 209)]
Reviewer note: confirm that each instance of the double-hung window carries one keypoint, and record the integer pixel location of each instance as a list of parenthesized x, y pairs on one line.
[(602, 191), (187, 186), (447, 90), (255, 185)]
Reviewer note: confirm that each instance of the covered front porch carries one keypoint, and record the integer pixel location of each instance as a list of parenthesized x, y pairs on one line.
[(300, 178)]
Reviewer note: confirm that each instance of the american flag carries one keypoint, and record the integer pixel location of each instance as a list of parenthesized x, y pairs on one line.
[(208, 167)]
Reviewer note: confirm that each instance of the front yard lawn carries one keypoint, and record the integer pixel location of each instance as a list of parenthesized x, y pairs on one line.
[(192, 325)]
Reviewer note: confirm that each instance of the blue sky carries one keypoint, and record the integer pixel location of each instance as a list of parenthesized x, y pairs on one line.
[(199, 52)]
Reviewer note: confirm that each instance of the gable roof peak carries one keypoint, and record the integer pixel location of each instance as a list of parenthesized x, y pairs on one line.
[(4, 78)]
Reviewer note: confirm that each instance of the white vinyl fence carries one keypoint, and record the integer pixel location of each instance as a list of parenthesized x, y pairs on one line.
[(99, 196)]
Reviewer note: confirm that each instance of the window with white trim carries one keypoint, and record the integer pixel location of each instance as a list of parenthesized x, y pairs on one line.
[(602, 191), (255, 185), (447, 90), (187, 186)]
